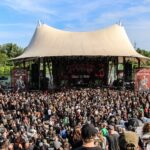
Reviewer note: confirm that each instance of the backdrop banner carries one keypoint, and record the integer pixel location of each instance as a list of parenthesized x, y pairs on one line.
[(142, 79), (19, 79)]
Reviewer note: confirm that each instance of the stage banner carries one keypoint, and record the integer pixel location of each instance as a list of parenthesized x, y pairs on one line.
[(142, 79), (19, 79), (112, 73)]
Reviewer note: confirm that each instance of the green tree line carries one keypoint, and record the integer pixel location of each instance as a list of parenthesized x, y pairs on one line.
[(8, 51), (143, 52)]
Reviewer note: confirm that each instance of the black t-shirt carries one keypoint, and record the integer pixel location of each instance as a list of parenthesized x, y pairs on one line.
[(113, 142), (76, 144), (88, 148)]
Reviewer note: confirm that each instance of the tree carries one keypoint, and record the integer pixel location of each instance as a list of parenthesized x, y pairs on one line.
[(12, 50), (3, 58), (145, 53)]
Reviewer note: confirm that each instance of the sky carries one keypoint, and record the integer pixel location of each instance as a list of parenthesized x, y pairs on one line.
[(19, 18)]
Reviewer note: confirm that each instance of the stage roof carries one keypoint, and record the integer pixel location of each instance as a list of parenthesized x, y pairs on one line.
[(48, 41)]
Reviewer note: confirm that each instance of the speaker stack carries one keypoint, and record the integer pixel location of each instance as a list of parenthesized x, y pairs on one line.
[(128, 71), (35, 73)]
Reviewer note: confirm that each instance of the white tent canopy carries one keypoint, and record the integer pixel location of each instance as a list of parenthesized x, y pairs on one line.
[(48, 42)]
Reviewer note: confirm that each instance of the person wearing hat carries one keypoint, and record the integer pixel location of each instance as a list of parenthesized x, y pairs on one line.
[(132, 126), (88, 133)]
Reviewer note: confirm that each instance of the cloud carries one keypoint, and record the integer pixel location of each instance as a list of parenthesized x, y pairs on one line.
[(28, 6), (146, 1), (17, 25), (19, 33), (9, 35), (20, 38), (82, 15), (79, 11), (139, 31)]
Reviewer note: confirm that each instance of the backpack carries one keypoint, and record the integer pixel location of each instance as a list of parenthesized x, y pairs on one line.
[(128, 140)]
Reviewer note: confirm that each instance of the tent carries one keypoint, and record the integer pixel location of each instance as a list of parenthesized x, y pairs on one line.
[(111, 41)]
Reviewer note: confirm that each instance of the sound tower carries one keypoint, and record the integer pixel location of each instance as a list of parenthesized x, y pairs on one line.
[(35, 73), (128, 71)]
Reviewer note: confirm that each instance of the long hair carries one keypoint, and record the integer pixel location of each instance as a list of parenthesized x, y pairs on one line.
[(146, 128), (77, 134), (100, 136)]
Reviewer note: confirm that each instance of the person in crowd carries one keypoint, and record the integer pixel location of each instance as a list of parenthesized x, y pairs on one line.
[(57, 143), (76, 138), (33, 120), (112, 138), (130, 139), (88, 133), (101, 140), (104, 129), (146, 135)]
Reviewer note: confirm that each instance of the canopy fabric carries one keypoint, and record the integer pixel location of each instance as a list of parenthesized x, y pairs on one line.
[(48, 42)]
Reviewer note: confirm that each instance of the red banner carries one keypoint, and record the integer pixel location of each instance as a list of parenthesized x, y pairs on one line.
[(19, 79), (142, 79)]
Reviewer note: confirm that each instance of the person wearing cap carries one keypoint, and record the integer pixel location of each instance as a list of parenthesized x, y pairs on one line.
[(112, 138), (88, 133)]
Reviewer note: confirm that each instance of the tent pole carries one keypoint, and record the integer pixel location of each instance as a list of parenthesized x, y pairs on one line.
[(44, 75), (44, 68), (117, 67), (107, 71), (39, 72), (124, 61), (139, 63), (24, 64)]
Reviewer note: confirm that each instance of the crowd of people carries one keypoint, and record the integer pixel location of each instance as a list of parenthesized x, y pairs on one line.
[(85, 118)]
